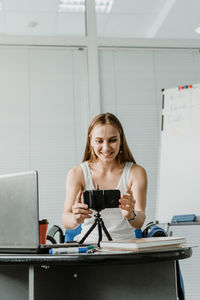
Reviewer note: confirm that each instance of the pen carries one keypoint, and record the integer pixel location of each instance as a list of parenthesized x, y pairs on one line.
[(69, 250)]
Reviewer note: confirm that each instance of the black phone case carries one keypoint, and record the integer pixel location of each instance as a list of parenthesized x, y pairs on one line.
[(101, 198)]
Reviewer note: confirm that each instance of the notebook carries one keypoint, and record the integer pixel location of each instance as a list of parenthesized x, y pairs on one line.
[(19, 214), (145, 243)]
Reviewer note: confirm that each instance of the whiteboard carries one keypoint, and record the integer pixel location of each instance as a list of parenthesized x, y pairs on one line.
[(179, 168)]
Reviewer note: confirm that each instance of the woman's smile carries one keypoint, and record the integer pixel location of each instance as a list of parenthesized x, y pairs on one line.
[(107, 155)]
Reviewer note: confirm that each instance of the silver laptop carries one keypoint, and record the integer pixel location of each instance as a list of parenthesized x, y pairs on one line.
[(19, 214)]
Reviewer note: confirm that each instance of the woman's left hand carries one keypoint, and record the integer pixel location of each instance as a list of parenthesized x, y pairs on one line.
[(127, 204)]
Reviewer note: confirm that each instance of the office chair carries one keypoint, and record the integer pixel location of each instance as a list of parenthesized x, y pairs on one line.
[(67, 237), (71, 233), (151, 229)]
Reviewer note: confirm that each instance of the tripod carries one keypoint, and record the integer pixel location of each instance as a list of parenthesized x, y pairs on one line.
[(98, 221)]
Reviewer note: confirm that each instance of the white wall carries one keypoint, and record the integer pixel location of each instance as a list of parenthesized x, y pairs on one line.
[(45, 110)]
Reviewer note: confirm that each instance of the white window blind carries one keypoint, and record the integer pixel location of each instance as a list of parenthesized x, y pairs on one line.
[(14, 110), (44, 116), (131, 84)]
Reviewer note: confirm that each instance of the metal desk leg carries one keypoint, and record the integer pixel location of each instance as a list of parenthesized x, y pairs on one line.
[(31, 283)]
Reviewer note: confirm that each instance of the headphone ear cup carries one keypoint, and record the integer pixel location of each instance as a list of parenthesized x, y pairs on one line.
[(157, 231), (147, 229), (153, 230)]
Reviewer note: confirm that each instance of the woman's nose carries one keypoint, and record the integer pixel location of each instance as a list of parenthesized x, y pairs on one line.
[(105, 145)]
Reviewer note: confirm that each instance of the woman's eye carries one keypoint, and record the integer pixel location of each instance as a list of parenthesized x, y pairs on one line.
[(113, 141), (99, 142)]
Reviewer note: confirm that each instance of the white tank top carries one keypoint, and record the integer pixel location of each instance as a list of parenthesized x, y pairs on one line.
[(118, 226)]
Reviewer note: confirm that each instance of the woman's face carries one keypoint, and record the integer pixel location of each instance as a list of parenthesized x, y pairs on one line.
[(105, 140)]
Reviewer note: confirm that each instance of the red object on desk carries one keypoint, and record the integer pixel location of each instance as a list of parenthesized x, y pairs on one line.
[(43, 225)]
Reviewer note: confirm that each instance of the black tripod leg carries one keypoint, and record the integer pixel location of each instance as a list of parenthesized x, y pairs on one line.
[(105, 230), (88, 232), (100, 234)]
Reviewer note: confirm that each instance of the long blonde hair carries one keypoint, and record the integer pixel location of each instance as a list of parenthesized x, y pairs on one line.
[(103, 119)]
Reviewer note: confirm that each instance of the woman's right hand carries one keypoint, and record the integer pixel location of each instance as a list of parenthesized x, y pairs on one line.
[(80, 210)]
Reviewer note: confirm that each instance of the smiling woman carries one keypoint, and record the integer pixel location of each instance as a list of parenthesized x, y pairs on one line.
[(108, 164)]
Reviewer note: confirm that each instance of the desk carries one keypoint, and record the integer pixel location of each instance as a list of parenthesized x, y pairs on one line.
[(98, 276)]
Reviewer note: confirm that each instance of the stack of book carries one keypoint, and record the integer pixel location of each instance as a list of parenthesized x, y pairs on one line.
[(144, 244)]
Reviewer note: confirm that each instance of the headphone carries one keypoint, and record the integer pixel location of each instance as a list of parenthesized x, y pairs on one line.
[(153, 230)]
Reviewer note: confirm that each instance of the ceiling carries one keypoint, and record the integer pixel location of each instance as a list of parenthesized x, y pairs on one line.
[(162, 19)]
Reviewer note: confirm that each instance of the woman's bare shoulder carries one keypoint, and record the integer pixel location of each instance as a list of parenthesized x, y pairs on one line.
[(76, 174), (76, 170), (138, 172), (137, 168)]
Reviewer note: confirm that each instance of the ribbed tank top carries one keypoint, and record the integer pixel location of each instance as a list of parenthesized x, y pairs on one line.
[(118, 226)]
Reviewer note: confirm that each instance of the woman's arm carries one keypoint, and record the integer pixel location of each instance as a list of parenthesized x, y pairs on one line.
[(139, 190), (75, 211), (135, 198)]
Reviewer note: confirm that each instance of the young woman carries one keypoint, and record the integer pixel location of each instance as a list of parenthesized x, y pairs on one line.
[(107, 164)]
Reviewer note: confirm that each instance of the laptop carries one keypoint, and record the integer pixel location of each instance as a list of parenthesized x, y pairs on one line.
[(19, 214)]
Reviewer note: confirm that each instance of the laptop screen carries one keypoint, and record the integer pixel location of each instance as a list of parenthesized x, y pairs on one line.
[(19, 213)]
